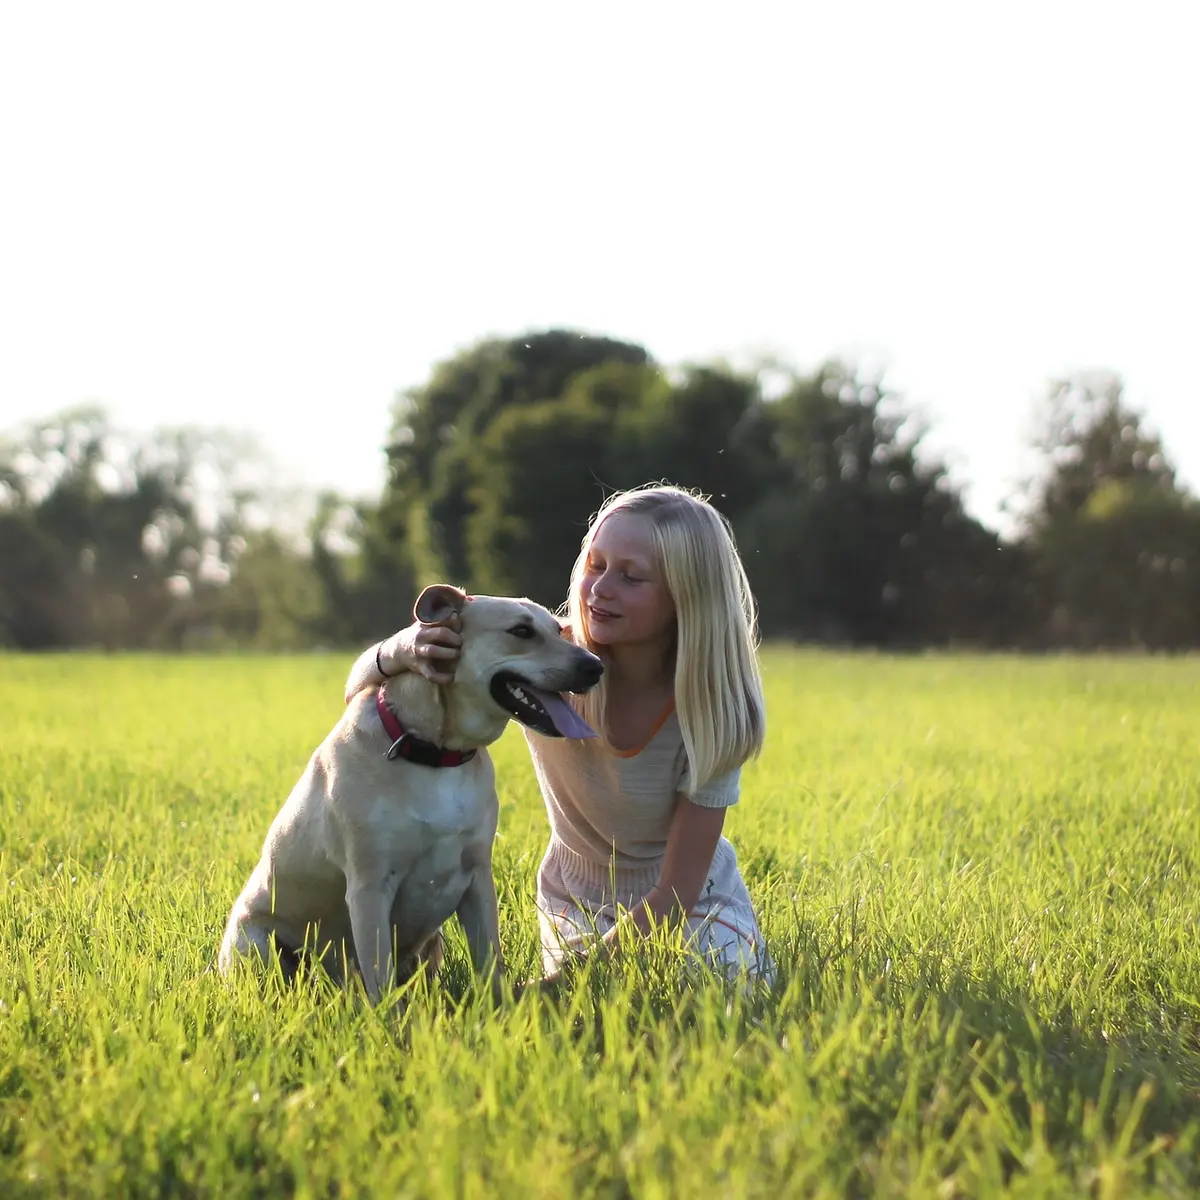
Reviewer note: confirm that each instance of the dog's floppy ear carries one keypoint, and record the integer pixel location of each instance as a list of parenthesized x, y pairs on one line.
[(438, 603)]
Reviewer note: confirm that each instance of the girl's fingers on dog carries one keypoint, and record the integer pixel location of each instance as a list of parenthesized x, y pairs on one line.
[(437, 663), (438, 635)]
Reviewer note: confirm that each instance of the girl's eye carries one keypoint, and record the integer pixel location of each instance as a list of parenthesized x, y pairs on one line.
[(631, 578)]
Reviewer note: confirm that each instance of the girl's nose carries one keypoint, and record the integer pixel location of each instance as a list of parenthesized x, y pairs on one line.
[(600, 588)]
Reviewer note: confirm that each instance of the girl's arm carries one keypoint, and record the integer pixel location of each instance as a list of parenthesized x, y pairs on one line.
[(691, 843), (365, 673), (431, 650)]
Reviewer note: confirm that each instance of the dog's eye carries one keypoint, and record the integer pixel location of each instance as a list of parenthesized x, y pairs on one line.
[(522, 631)]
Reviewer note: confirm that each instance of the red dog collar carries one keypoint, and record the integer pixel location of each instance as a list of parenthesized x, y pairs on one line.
[(415, 749)]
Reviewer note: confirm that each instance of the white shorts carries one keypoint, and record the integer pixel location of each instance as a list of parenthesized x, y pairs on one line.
[(578, 899)]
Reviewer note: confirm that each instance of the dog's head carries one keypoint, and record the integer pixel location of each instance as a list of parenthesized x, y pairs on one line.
[(515, 658)]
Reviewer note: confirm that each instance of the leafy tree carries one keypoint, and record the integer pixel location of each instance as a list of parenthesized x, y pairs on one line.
[(857, 542), (1125, 569), (77, 489), (1116, 542), (108, 534), (430, 487), (360, 561), (542, 469), (708, 430), (1089, 436), (272, 602), (35, 585), (537, 481)]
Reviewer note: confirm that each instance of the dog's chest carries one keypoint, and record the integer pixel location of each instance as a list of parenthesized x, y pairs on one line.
[(413, 819), (430, 846), (433, 888)]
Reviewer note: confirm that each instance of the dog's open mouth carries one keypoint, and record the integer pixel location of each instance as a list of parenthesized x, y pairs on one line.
[(542, 711)]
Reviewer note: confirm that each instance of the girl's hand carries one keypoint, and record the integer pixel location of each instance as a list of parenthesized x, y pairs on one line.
[(558, 984), (429, 650)]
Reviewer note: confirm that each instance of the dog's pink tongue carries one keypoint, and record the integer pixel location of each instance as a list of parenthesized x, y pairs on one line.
[(566, 720)]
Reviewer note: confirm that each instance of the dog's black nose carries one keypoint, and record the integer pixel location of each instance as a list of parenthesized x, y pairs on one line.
[(588, 672)]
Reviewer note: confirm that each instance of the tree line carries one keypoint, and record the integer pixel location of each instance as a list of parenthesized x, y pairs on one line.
[(852, 530)]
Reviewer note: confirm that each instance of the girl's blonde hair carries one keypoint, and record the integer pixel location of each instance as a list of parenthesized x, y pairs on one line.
[(718, 690)]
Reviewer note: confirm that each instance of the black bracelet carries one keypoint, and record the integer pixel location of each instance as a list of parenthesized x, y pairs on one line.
[(378, 664)]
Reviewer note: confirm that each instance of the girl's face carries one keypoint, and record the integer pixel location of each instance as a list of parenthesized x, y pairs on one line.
[(622, 594)]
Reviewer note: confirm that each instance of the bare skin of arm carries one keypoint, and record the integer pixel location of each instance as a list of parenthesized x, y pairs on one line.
[(429, 650), (691, 843)]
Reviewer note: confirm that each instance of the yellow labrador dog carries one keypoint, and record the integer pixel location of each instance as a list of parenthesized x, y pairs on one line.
[(389, 830)]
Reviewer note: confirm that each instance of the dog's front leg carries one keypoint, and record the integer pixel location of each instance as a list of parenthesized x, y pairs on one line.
[(370, 904), (480, 918)]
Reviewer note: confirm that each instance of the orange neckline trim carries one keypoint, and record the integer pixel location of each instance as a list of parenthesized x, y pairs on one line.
[(662, 720)]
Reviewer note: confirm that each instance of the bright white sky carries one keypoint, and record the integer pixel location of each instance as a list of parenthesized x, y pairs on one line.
[(274, 216)]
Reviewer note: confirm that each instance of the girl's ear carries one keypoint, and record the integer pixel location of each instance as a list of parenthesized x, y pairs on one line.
[(439, 603)]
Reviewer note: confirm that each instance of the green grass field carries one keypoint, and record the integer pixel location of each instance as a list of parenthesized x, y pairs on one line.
[(980, 878)]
